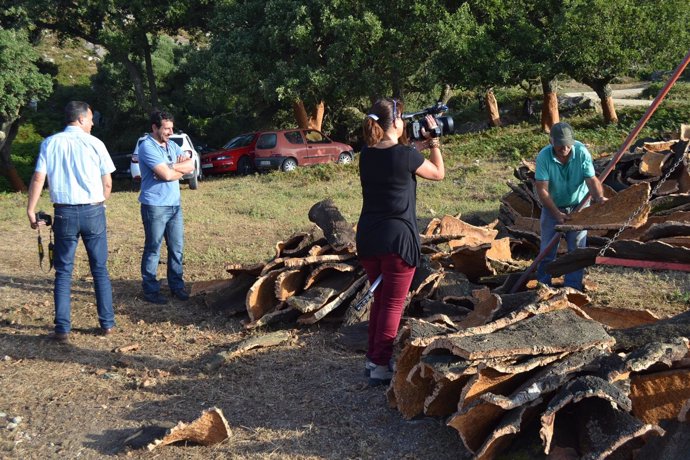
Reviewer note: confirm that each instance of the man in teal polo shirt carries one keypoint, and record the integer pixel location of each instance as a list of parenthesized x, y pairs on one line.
[(564, 175)]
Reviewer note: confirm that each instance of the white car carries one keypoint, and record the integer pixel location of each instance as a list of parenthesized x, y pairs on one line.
[(185, 143)]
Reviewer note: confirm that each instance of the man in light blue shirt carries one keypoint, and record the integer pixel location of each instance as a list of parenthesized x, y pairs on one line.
[(162, 164), (564, 175), (78, 167)]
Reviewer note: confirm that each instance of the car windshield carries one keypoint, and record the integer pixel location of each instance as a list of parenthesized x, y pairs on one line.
[(239, 141), (177, 140)]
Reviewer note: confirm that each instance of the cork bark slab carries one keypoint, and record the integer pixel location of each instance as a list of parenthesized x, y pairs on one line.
[(674, 445), (261, 298), (605, 432), (613, 213), (668, 204), (483, 311), (251, 269), (659, 396), (636, 233), (620, 366), (619, 318), (663, 330), (319, 293), (472, 261), (232, 298), (500, 250), (475, 423), (577, 390), (452, 283), (443, 401), (666, 230), (427, 272), (334, 303), (209, 429), (668, 187), (297, 262), (659, 146), (678, 241), (506, 430), (548, 333), (527, 224), (521, 206), (652, 163), (289, 283), (547, 380), (338, 232), (437, 307), (300, 243), (326, 270), (409, 394)]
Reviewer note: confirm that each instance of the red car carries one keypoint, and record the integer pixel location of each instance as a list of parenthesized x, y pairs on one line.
[(287, 149), (235, 156)]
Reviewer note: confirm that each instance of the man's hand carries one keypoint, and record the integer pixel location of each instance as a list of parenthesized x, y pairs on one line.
[(601, 199), (561, 217), (32, 220)]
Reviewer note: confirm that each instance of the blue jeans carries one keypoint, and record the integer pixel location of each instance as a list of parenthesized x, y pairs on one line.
[(162, 222), (575, 239), (69, 224)]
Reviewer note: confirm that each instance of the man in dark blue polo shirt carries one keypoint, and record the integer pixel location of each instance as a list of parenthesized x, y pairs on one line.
[(564, 175)]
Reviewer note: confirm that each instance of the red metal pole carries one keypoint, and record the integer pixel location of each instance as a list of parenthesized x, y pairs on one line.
[(621, 151)]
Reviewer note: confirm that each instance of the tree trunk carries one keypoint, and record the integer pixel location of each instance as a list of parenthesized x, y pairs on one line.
[(135, 75), (305, 121), (549, 107), (446, 94), (300, 114), (605, 93), (492, 108), (8, 131), (153, 90)]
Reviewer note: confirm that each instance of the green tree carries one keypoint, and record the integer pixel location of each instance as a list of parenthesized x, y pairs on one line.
[(21, 82), (128, 29)]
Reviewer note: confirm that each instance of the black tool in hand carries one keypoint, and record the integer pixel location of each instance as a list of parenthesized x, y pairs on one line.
[(370, 293)]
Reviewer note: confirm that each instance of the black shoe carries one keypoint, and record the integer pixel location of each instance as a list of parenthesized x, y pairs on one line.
[(181, 294), (156, 298)]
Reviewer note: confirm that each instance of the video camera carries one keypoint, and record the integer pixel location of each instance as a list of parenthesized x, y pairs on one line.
[(444, 124)]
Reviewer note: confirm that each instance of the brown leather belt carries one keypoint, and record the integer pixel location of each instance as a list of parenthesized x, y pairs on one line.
[(60, 205)]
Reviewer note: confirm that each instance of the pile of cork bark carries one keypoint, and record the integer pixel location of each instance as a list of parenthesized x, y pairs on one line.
[(316, 274), (592, 382), (649, 196)]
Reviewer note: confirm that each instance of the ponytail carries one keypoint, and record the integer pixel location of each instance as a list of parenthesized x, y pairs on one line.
[(373, 132), (379, 119)]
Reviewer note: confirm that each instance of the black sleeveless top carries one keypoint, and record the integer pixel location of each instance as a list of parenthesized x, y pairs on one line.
[(388, 222)]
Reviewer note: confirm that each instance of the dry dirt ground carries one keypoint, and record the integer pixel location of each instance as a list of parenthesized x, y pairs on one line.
[(306, 399)]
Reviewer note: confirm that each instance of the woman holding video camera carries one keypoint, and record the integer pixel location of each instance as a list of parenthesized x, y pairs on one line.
[(387, 235)]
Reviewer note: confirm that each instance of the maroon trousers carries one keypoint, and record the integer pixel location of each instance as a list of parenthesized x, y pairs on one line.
[(389, 300)]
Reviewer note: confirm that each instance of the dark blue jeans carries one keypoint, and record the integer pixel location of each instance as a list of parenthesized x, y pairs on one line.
[(87, 222), (575, 239), (162, 222)]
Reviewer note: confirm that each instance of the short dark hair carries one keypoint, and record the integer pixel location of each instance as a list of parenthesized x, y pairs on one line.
[(157, 117), (74, 110)]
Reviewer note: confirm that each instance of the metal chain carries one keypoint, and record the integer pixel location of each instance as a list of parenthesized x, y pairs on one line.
[(639, 210)]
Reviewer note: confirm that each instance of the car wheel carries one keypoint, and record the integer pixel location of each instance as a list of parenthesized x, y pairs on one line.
[(194, 181), (244, 166), (290, 164), (344, 158)]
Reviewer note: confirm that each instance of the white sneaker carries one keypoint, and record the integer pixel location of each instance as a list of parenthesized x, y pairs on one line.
[(380, 375), (368, 367)]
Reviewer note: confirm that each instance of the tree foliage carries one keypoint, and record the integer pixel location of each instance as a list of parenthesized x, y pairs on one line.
[(20, 83)]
